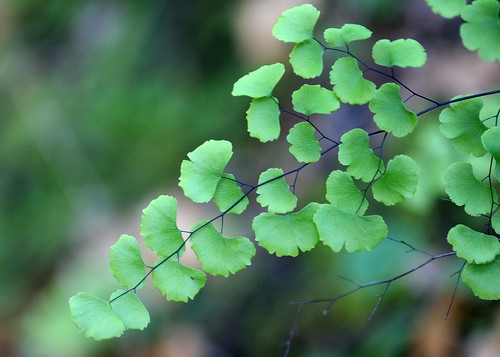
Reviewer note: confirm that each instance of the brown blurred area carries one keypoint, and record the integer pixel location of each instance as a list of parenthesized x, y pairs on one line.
[(99, 104)]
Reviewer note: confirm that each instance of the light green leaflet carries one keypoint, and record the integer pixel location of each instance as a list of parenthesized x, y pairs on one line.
[(95, 316), (338, 228), (483, 279), (259, 83), (125, 261), (306, 59), (342, 193), (481, 29), (285, 235), (348, 82), (473, 246), (159, 226), (314, 99), (398, 182), (491, 142), (461, 123), (495, 221), (201, 174), (465, 190), (275, 193), (447, 8), (401, 53), (228, 192), (346, 34), (130, 310), (102, 320), (304, 145), (263, 119), (178, 282), (220, 255), (355, 153), (296, 24), (390, 112)]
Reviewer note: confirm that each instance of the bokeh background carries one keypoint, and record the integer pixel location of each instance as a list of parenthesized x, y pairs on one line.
[(99, 103)]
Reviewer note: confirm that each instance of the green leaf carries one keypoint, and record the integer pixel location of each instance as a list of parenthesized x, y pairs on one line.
[(219, 255), (446, 8), (390, 112), (483, 279), (481, 29), (314, 99), (125, 261), (306, 59), (465, 190), (285, 235), (275, 192), (346, 34), (130, 309), (401, 53), (263, 119), (342, 193), (178, 282), (462, 125), (398, 182), (356, 154), (259, 83), (491, 142), (201, 175), (304, 144), (228, 192), (348, 82), (95, 316), (473, 246), (495, 221), (159, 226), (296, 24), (337, 228)]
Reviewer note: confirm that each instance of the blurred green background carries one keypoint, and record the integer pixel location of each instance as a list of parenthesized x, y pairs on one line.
[(99, 103)]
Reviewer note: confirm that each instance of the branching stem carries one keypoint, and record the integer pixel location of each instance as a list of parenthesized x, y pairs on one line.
[(386, 283)]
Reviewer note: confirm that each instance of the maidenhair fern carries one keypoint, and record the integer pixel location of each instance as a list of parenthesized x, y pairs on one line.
[(342, 220)]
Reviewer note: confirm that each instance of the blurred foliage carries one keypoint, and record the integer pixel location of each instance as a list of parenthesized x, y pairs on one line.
[(99, 103)]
